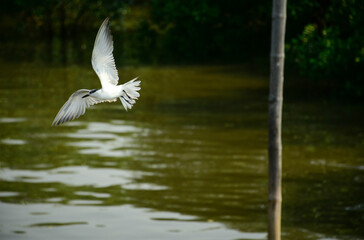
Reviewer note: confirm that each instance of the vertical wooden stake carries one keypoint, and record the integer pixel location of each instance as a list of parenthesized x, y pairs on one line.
[(275, 118)]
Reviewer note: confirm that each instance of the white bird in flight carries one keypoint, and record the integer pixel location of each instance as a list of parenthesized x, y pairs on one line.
[(104, 65)]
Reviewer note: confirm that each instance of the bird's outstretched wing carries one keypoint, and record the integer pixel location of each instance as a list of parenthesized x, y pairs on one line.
[(76, 106), (102, 59)]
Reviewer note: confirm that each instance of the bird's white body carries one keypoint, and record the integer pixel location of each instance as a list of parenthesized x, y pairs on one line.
[(104, 65), (109, 92)]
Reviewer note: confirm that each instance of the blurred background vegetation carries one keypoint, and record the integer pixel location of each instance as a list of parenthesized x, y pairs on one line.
[(324, 40)]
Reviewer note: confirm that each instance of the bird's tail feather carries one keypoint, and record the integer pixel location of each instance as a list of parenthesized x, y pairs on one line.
[(130, 93)]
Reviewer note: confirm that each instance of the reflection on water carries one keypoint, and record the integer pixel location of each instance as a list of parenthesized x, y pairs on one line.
[(13, 141), (103, 139), (188, 162), (11, 120), (61, 222)]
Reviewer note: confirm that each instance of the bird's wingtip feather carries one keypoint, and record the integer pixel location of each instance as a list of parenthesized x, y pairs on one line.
[(106, 21)]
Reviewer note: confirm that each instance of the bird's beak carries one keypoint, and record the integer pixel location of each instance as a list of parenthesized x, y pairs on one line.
[(86, 95)]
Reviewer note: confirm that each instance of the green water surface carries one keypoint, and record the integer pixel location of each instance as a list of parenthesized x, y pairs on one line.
[(189, 161)]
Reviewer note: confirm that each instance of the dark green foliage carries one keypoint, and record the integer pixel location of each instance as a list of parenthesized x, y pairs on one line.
[(324, 39), (330, 44), (211, 30)]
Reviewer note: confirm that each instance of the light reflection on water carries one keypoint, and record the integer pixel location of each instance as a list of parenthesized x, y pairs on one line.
[(106, 139), (186, 163), (13, 141), (73, 176), (60, 222)]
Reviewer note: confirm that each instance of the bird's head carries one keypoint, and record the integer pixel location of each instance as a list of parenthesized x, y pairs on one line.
[(91, 92)]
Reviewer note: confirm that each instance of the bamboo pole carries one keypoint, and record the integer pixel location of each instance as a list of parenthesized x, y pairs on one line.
[(275, 118)]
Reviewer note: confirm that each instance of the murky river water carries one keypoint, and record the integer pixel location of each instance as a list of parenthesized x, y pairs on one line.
[(189, 161)]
